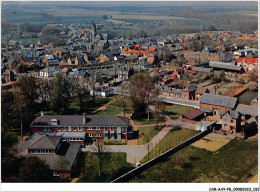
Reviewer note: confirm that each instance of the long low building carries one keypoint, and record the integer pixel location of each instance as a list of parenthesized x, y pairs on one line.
[(96, 127), (217, 103)]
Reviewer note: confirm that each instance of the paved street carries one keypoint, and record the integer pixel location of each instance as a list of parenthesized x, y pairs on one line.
[(180, 102)]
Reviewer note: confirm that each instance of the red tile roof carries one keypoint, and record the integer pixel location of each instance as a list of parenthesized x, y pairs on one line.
[(234, 92)]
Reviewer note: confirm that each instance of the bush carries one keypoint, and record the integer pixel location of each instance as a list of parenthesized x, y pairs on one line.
[(252, 86), (250, 129)]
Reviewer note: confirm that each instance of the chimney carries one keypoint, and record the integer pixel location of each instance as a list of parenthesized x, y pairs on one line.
[(42, 113), (84, 118)]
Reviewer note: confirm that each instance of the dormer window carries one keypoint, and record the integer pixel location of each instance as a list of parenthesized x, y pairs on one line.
[(54, 121)]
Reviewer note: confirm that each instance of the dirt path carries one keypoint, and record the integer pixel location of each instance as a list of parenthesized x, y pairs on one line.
[(104, 107)]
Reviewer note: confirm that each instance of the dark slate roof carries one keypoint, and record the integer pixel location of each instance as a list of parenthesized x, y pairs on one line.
[(45, 142), (170, 90), (206, 110), (72, 152), (201, 69), (77, 120), (247, 109), (253, 119), (233, 114), (71, 134), (192, 114), (222, 65), (219, 100), (190, 88)]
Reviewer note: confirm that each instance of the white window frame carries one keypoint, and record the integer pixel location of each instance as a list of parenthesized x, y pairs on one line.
[(80, 128), (69, 128), (98, 135), (59, 128), (98, 128), (90, 128), (75, 129), (225, 126), (90, 134)]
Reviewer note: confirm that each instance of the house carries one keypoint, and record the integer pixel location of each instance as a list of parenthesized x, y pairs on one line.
[(231, 122), (54, 152), (72, 137), (193, 116), (247, 111), (217, 103), (125, 72), (189, 93), (96, 127), (199, 93), (103, 92), (204, 125), (201, 70), (47, 72)]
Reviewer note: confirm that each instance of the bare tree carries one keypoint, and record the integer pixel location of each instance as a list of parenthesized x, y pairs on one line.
[(100, 148)]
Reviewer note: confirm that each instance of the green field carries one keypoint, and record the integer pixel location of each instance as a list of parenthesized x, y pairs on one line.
[(247, 97), (114, 165), (147, 133), (235, 162), (175, 111), (175, 137)]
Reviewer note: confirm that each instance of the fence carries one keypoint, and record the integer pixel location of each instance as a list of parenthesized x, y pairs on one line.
[(148, 164)]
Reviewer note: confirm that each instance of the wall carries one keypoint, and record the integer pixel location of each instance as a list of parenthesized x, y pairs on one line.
[(136, 171)]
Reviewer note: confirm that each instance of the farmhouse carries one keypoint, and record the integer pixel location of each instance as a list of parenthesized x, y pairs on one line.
[(231, 122), (217, 103)]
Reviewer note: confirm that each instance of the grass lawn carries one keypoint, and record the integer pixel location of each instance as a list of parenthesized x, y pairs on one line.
[(113, 166), (176, 136), (73, 106), (111, 110), (175, 111), (247, 97), (235, 162), (147, 133)]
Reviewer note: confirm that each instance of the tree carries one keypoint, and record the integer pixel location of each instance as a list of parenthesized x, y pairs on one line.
[(100, 148), (142, 93), (252, 86), (8, 155), (59, 95), (50, 31), (28, 87), (7, 109), (20, 104), (34, 169), (250, 129)]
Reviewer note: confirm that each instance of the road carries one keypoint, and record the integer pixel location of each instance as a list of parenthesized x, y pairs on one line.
[(136, 153), (179, 102)]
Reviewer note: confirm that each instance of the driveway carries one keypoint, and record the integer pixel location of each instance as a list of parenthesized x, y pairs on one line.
[(136, 153)]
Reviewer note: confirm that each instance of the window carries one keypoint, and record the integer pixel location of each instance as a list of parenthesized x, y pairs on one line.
[(99, 128), (112, 135), (106, 129), (59, 129), (225, 126), (106, 135), (69, 128), (80, 128), (124, 130), (64, 129), (90, 128), (90, 135), (226, 119), (44, 128), (98, 135), (74, 128), (232, 121)]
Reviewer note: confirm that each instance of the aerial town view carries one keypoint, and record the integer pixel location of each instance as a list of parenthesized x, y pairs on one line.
[(129, 92)]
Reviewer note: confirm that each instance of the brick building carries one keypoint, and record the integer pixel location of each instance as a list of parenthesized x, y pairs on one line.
[(104, 127), (231, 122), (217, 103)]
